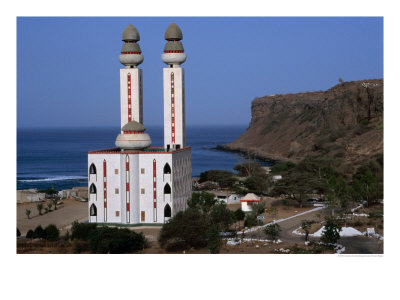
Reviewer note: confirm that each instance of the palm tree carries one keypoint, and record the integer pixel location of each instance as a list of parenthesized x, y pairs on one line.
[(28, 212), (39, 207)]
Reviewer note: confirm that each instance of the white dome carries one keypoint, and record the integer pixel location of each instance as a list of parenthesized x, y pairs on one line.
[(131, 59), (133, 141), (173, 58)]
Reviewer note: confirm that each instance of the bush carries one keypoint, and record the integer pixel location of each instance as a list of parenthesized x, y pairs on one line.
[(175, 244), (39, 233), (358, 223), (80, 246), (81, 231), (189, 225), (52, 232), (331, 232), (282, 167), (224, 178), (272, 231), (214, 240), (115, 240), (375, 214), (18, 233), (221, 217), (29, 234)]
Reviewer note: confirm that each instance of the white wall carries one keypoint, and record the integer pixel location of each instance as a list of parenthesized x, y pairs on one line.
[(136, 95)]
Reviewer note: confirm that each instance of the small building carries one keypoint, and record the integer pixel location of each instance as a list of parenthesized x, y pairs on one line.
[(249, 201), (226, 197), (275, 178), (30, 195)]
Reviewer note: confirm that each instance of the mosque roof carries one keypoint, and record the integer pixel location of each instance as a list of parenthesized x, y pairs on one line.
[(130, 33), (173, 33), (133, 126)]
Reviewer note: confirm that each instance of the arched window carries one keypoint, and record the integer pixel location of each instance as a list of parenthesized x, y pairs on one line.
[(167, 211), (93, 210), (167, 189), (167, 169), (93, 189), (92, 169)]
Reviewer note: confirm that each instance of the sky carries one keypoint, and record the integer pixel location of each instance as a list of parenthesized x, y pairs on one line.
[(68, 68)]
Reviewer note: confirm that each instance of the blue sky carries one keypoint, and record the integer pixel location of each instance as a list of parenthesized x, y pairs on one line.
[(68, 68)]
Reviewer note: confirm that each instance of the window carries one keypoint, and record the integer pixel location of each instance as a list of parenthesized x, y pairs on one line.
[(93, 189), (117, 213), (142, 191), (92, 169), (167, 189), (117, 191), (93, 210), (167, 211), (142, 170), (142, 216), (116, 171), (167, 169)]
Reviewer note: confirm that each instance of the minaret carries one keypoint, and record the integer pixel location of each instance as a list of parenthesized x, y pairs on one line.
[(174, 90), (132, 134), (131, 77)]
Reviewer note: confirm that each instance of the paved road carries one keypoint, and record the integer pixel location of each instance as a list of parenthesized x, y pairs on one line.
[(354, 245)]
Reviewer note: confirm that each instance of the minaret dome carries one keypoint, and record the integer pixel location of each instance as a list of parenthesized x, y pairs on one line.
[(173, 51), (131, 54)]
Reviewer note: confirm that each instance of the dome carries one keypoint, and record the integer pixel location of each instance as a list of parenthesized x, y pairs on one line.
[(130, 47), (130, 33), (133, 126), (173, 46), (173, 33)]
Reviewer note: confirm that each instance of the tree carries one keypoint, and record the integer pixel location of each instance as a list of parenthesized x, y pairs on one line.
[(39, 233), (249, 168), (259, 208), (49, 206), (257, 183), (39, 207), (221, 217), (203, 201), (18, 233), (55, 202), (338, 193), (52, 232), (189, 226), (49, 191), (82, 231), (239, 215), (28, 213), (366, 185), (222, 177), (331, 232), (29, 234), (214, 239), (272, 231)]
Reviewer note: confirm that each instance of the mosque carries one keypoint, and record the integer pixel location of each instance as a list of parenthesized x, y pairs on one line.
[(135, 183)]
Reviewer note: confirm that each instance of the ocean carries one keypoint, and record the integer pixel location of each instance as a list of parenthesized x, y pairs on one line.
[(58, 157)]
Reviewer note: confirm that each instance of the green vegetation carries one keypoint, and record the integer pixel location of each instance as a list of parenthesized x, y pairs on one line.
[(198, 226), (39, 207), (28, 213), (55, 202), (29, 234), (82, 231), (331, 232), (225, 179), (39, 233), (49, 191), (282, 167), (18, 233), (115, 240), (248, 168), (52, 233), (272, 231)]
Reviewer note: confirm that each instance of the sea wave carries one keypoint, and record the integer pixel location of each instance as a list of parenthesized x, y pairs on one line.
[(54, 178)]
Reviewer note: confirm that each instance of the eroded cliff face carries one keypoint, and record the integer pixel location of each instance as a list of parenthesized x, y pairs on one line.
[(345, 121)]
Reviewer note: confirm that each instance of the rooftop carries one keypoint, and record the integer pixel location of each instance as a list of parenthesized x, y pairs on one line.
[(142, 151)]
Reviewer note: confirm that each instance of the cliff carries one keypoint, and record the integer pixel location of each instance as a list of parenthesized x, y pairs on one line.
[(344, 122)]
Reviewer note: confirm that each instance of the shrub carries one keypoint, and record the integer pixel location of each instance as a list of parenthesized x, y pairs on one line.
[(375, 214), (175, 244), (214, 240), (52, 232), (39, 233), (81, 231), (39, 207), (28, 212), (189, 225), (331, 232), (80, 246), (224, 178), (67, 236), (29, 234), (358, 223), (282, 167), (115, 240), (221, 217), (272, 231), (18, 233)]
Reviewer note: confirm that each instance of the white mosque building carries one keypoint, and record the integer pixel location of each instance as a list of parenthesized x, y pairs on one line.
[(135, 183)]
